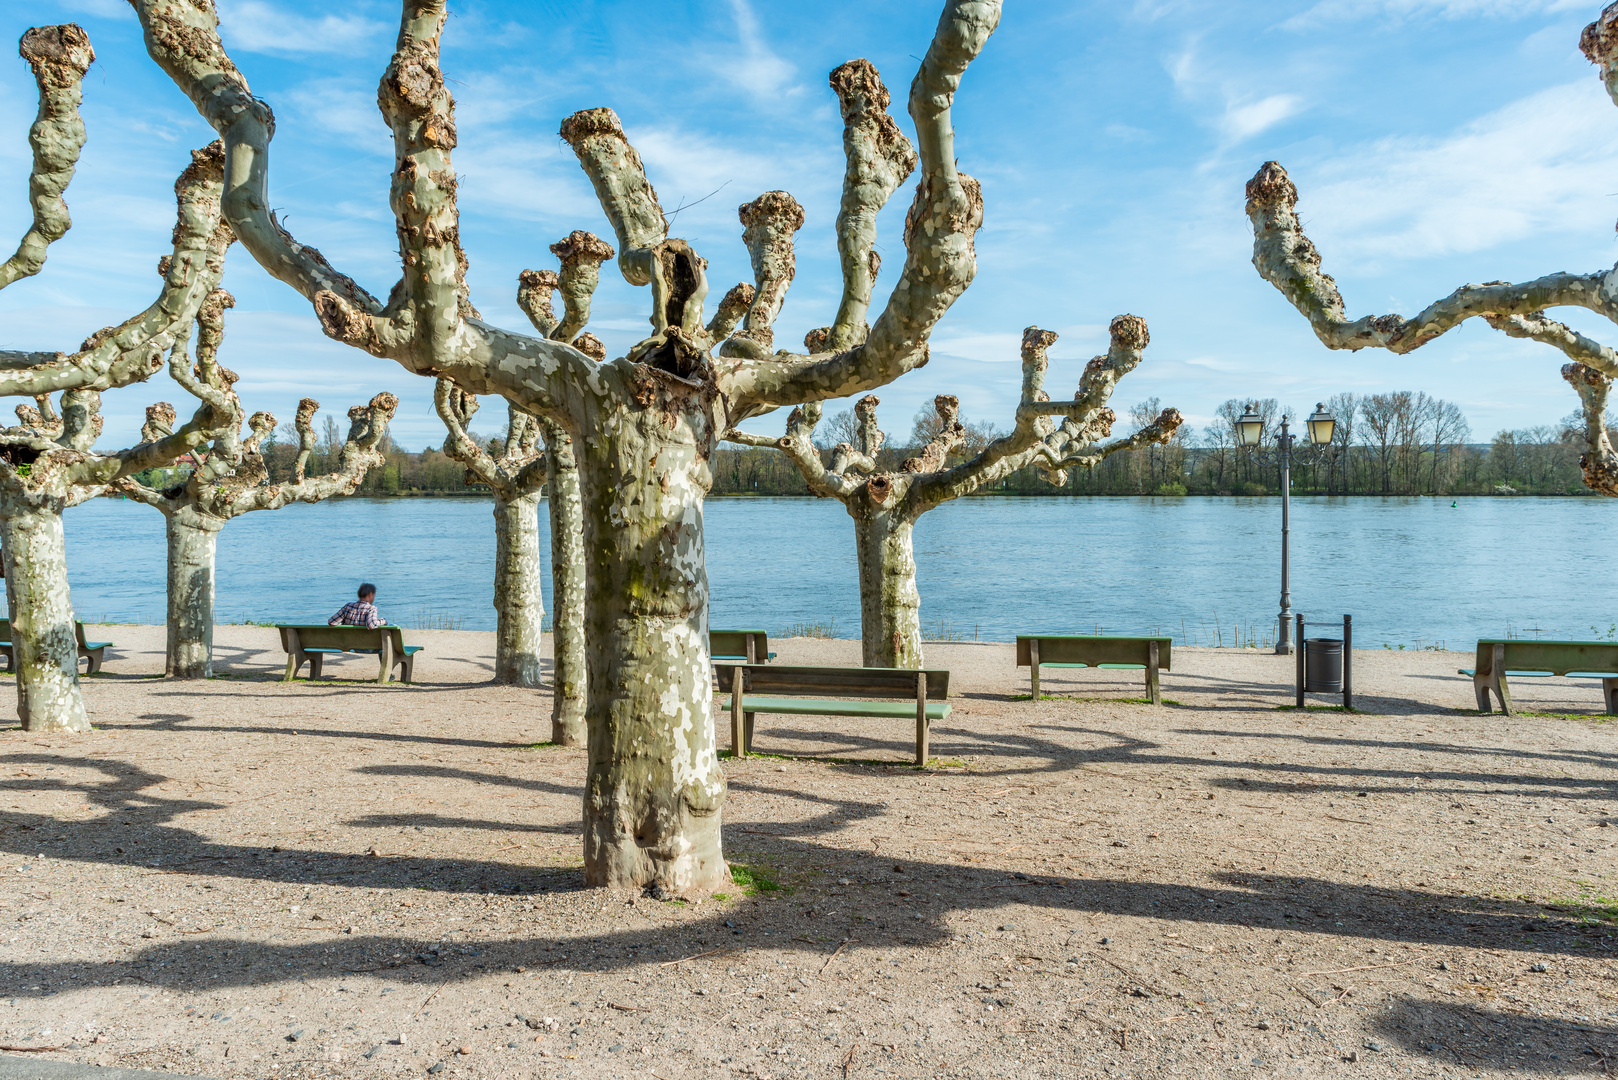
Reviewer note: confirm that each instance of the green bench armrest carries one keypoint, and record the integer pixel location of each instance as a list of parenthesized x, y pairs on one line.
[(1510, 674), (936, 710)]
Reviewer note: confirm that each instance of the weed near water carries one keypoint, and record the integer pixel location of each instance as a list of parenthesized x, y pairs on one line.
[(427, 618), (812, 629)]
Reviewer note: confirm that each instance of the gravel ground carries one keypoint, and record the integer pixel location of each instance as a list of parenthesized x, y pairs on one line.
[(243, 878)]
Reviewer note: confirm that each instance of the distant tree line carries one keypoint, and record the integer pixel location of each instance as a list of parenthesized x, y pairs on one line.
[(1400, 443)]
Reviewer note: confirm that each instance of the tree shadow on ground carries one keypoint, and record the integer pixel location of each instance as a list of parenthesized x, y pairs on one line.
[(182, 722), (1476, 1037)]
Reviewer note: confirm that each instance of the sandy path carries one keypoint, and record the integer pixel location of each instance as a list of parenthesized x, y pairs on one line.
[(1082, 886)]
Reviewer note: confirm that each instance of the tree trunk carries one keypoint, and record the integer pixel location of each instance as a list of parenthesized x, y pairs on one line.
[(655, 789), (192, 538), (567, 594), (890, 604), (518, 602), (42, 636)]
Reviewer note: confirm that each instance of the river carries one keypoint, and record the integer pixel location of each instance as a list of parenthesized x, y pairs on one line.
[(1413, 572)]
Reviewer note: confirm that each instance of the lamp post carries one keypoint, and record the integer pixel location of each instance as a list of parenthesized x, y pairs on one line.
[(1318, 431)]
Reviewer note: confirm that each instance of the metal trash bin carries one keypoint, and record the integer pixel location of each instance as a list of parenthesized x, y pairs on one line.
[(1323, 665)]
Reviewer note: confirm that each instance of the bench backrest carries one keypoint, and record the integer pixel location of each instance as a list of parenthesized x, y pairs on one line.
[(319, 636), (1559, 657), (860, 682), (5, 630), (734, 643), (1092, 650)]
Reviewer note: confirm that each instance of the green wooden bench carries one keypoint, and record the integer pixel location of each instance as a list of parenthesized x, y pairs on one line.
[(314, 643), (923, 694), (1499, 660), (93, 651), (1114, 653), (746, 646)]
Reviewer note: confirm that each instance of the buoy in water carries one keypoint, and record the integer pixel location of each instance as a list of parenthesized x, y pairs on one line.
[(1454, 504)]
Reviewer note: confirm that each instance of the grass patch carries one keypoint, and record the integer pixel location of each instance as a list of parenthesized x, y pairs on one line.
[(753, 879), (876, 763), (1316, 708), (538, 746), (1599, 718), (1590, 909)]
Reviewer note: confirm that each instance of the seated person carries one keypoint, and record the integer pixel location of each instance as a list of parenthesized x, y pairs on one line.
[(361, 612)]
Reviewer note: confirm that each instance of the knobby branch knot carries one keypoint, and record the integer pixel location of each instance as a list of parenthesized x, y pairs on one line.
[(1271, 186)]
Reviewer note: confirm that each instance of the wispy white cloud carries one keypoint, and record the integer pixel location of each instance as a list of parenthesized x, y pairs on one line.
[(1338, 11), (756, 68), (1539, 166), (258, 27), (1245, 111)]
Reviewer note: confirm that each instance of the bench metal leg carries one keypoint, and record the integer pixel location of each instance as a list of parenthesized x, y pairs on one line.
[(1154, 690), (747, 733), (921, 718), (1033, 666)]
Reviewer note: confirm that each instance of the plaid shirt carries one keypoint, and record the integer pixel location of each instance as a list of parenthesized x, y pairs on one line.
[(359, 613)]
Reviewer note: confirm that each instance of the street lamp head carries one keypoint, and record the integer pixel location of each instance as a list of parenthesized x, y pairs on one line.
[(1249, 428), (1321, 425)]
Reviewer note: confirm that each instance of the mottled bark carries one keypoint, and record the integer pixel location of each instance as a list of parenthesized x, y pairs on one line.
[(59, 56), (1284, 256), (42, 635), (645, 424), (890, 603), (886, 505), (192, 540), (569, 670), (518, 601)]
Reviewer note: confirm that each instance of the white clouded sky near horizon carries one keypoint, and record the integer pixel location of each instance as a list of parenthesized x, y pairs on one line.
[(1435, 142)]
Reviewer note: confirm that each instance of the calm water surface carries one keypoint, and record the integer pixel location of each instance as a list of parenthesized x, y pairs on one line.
[(1411, 571)]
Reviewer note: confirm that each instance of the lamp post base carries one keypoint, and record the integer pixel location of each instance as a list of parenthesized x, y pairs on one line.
[(1283, 636)]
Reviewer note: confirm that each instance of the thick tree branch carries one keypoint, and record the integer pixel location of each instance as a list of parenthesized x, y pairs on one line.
[(1599, 462), (1287, 259), (768, 223), (645, 254), (581, 254), (951, 432), (939, 257), (732, 306), (134, 350), (59, 57), (427, 325), (534, 289), (363, 450), (879, 159), (1537, 327)]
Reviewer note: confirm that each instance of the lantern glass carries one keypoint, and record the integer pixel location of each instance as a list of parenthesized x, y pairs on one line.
[(1321, 425), (1249, 428)]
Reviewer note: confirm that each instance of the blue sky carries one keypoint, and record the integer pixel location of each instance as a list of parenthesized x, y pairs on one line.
[(1435, 142)]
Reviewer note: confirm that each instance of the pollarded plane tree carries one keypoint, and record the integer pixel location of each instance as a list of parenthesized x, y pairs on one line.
[(538, 453), (1287, 259), (47, 465), (645, 424), (516, 475), (229, 479), (886, 505)]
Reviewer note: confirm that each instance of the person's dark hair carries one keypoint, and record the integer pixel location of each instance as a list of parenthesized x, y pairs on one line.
[(367, 590)]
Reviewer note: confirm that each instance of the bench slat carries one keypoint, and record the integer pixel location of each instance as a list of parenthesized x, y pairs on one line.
[(936, 710)]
